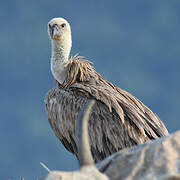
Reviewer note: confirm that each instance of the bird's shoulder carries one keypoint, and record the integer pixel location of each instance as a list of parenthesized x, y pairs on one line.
[(78, 70)]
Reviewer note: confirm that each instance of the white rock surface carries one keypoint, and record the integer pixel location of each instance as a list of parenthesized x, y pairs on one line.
[(155, 160)]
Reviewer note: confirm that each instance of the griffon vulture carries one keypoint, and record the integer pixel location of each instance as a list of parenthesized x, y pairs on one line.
[(118, 120)]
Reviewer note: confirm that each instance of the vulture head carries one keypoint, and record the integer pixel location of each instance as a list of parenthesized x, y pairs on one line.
[(59, 30)]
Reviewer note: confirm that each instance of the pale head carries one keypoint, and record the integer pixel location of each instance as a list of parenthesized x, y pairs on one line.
[(59, 29)]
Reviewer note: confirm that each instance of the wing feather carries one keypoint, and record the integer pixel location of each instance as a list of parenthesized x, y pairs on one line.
[(118, 120)]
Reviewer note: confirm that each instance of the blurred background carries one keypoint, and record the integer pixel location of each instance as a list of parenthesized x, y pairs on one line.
[(133, 44)]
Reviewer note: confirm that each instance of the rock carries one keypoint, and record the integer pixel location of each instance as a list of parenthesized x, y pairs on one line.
[(85, 173), (158, 159)]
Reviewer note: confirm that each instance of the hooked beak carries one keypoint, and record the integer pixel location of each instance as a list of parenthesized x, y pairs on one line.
[(54, 31)]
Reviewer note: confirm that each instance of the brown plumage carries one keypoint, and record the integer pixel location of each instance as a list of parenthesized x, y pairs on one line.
[(118, 120)]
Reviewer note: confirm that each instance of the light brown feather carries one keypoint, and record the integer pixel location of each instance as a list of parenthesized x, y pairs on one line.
[(118, 119)]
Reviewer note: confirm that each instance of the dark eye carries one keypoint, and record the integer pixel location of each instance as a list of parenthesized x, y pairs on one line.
[(63, 25)]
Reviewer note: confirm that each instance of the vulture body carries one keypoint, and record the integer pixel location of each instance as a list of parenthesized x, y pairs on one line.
[(118, 120)]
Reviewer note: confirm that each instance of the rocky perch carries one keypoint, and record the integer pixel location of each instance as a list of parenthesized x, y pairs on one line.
[(158, 159)]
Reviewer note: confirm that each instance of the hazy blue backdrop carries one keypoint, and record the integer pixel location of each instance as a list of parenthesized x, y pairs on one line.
[(134, 44)]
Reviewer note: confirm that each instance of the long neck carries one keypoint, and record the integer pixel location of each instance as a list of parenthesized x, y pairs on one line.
[(60, 52), (59, 60)]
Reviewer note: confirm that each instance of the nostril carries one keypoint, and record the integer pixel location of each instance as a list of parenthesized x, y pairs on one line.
[(54, 26)]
